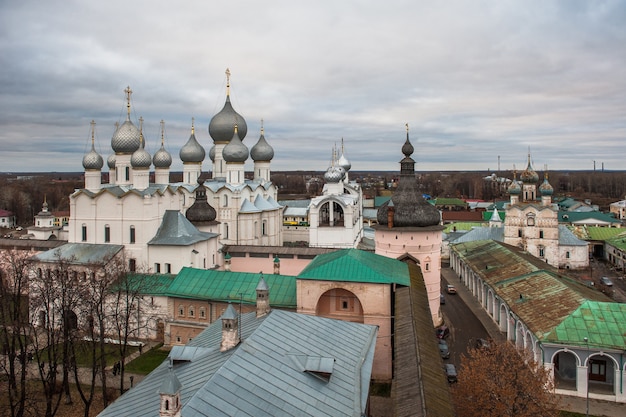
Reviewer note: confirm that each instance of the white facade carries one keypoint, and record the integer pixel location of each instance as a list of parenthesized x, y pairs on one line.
[(130, 210), (336, 217)]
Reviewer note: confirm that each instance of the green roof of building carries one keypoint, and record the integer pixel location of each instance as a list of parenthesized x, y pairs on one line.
[(232, 286), (148, 284), (575, 216), (597, 232), (456, 226), (353, 265), (554, 307), (603, 323), (618, 242), (450, 202), (489, 213)]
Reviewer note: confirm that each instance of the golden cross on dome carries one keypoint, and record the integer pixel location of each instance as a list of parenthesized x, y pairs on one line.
[(128, 92)]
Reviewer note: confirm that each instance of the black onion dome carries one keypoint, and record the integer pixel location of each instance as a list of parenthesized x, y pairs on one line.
[(192, 151), (201, 211), (410, 209), (235, 151), (262, 151), (222, 125)]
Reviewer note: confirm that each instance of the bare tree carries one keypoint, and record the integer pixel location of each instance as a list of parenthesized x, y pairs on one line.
[(55, 297), (500, 380), (130, 314), (14, 327)]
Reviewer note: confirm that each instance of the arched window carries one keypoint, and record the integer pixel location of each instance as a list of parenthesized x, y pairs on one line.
[(84, 232), (225, 230), (192, 312), (181, 311), (225, 203), (107, 233), (202, 313), (264, 228), (132, 234)]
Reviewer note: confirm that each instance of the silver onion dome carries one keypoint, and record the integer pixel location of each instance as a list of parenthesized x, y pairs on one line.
[(235, 151), (162, 158), (93, 160), (141, 158), (343, 161), (333, 175), (222, 125), (111, 161), (126, 138), (192, 151), (212, 153), (262, 151)]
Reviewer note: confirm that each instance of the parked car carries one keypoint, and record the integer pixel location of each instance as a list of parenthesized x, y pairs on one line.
[(450, 289), (444, 351), (482, 343), (442, 332), (606, 281), (442, 299), (450, 373)]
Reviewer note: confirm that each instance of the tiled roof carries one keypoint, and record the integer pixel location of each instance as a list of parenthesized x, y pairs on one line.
[(354, 265), (202, 284), (265, 375)]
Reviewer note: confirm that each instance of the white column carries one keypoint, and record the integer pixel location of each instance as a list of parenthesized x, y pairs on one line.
[(581, 381)]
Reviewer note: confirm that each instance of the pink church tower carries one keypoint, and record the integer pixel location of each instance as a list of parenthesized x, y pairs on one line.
[(409, 229)]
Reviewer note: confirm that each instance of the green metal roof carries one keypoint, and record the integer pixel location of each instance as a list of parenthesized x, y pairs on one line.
[(602, 233), (232, 286), (461, 226), (618, 242), (355, 265), (603, 323), (148, 284), (574, 216), (450, 202)]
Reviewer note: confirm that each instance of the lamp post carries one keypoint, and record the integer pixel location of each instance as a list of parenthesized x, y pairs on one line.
[(588, 363)]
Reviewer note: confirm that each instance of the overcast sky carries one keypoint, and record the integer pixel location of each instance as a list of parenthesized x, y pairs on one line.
[(475, 80)]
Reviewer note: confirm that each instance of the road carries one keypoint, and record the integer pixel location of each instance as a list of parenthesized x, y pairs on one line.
[(463, 323)]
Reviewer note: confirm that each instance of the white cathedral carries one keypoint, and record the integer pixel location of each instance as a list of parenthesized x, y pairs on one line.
[(164, 225)]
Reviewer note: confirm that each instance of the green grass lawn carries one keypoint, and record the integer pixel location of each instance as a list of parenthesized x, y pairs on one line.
[(147, 362)]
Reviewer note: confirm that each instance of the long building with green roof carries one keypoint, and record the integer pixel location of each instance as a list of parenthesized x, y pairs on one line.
[(571, 328)]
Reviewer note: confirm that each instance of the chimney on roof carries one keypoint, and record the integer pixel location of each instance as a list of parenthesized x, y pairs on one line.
[(230, 329), (262, 298)]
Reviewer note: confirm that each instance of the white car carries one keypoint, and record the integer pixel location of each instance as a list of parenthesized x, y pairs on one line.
[(450, 289)]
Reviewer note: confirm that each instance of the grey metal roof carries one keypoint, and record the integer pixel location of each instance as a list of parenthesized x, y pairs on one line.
[(260, 377), (295, 203), (176, 230), (567, 238), (296, 211), (481, 233), (248, 207), (80, 253)]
